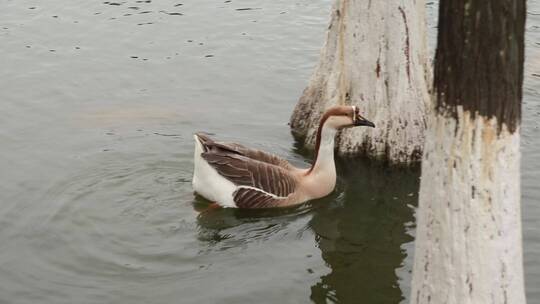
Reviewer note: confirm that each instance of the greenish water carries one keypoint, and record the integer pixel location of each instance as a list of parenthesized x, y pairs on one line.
[(98, 104)]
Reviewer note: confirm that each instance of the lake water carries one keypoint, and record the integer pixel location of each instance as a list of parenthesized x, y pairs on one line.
[(98, 104)]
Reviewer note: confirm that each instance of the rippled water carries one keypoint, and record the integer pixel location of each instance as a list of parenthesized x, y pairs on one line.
[(99, 101)]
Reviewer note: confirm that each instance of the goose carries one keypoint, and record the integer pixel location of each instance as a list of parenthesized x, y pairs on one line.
[(232, 175)]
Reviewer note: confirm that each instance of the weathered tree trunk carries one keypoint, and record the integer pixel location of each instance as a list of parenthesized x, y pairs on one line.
[(375, 57), (468, 239)]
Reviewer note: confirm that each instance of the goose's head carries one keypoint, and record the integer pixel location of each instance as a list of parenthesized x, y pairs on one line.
[(340, 117)]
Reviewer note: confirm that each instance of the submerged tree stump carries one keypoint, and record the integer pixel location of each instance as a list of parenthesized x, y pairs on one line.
[(468, 237), (375, 57)]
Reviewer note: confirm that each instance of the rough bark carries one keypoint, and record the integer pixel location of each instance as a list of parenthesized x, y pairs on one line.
[(375, 57), (479, 59), (468, 239)]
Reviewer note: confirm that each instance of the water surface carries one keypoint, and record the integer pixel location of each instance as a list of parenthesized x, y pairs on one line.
[(98, 104)]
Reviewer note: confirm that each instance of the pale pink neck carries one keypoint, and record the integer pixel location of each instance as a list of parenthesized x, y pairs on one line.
[(324, 159)]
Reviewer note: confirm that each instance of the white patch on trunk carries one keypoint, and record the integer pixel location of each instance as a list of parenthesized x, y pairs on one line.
[(375, 57), (468, 239)]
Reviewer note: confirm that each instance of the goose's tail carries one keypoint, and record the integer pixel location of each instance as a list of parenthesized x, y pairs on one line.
[(201, 142)]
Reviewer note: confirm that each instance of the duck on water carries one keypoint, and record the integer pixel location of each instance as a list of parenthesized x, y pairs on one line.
[(232, 175)]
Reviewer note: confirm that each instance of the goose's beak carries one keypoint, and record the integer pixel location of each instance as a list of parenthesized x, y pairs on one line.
[(361, 121)]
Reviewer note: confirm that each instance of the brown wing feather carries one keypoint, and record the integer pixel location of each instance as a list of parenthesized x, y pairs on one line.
[(262, 156), (244, 171), (251, 198), (230, 167)]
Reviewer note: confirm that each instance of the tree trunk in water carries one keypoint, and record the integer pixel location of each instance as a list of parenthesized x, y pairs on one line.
[(468, 239), (375, 57)]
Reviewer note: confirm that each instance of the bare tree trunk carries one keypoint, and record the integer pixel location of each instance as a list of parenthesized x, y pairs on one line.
[(375, 57), (468, 240)]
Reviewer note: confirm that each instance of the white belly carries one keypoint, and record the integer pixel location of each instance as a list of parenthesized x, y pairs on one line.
[(208, 183)]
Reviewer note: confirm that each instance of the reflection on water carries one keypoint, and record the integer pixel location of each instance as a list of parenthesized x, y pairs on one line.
[(99, 101), (365, 235), (363, 230), (225, 228)]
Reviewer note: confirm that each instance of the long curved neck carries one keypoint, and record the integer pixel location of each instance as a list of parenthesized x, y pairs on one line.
[(324, 159)]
